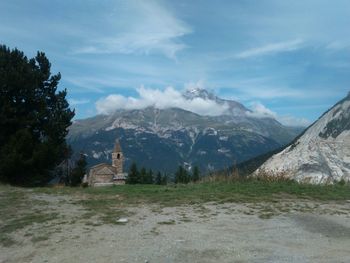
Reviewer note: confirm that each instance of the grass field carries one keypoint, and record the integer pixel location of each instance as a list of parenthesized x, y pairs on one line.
[(238, 191), (38, 213), (98, 200)]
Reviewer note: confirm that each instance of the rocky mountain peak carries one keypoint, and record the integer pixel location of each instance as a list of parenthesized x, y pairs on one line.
[(199, 93), (234, 108)]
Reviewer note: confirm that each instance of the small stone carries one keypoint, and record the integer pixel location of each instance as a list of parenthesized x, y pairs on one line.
[(122, 220)]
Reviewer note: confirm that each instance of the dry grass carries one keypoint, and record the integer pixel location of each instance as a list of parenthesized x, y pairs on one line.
[(227, 176), (234, 176), (271, 176)]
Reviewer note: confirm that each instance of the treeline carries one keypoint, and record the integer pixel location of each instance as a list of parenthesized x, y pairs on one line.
[(143, 176), (182, 176)]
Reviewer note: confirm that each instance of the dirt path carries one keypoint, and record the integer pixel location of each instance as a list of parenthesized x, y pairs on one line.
[(308, 232)]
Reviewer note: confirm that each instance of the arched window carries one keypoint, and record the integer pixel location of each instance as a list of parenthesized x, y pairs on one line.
[(118, 156)]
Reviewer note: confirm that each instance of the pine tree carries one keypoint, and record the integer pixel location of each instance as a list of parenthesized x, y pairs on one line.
[(158, 180), (164, 180), (78, 171), (143, 176), (34, 118), (178, 175), (149, 177), (181, 176), (187, 177), (196, 175), (133, 176)]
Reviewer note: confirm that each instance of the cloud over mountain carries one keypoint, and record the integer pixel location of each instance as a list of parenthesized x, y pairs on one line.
[(261, 111), (167, 98), (208, 105)]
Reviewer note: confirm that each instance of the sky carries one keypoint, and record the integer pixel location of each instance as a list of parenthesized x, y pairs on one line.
[(289, 59)]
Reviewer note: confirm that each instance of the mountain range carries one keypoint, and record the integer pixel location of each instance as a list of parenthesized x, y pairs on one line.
[(163, 139)]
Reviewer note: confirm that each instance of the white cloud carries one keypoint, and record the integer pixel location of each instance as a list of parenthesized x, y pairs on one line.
[(338, 45), (150, 27), (161, 99), (289, 120), (260, 111), (96, 84), (171, 97), (271, 49), (74, 102)]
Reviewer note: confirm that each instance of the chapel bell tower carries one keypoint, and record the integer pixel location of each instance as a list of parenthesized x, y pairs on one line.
[(117, 157)]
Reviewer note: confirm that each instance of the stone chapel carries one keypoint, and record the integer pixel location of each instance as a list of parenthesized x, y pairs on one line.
[(105, 174)]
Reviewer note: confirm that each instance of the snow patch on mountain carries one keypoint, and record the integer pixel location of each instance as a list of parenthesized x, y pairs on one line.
[(120, 123), (210, 131), (223, 150), (97, 155)]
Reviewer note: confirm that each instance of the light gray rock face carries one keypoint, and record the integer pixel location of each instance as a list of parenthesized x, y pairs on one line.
[(321, 154)]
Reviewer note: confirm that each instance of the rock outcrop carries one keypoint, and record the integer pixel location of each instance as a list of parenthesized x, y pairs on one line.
[(321, 154)]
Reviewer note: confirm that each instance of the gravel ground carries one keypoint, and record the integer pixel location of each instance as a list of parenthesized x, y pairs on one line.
[(229, 232)]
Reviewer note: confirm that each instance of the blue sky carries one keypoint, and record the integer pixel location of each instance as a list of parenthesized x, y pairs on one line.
[(289, 58)]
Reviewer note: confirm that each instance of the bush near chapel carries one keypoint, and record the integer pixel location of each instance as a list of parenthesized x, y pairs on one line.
[(77, 174), (34, 118)]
